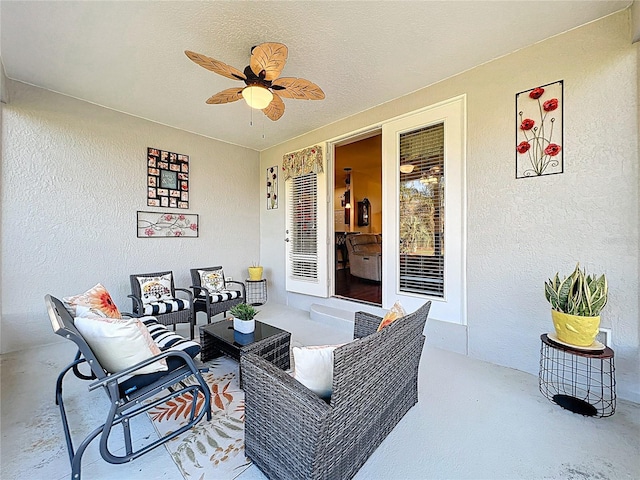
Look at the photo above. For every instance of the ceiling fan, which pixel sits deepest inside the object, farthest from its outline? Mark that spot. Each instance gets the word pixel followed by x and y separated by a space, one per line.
pixel 263 88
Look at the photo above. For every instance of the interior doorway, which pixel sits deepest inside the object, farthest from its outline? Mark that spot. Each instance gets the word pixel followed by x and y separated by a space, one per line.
pixel 357 200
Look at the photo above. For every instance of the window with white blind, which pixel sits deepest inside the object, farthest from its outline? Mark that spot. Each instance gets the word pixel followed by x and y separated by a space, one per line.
pixel 302 232
pixel 421 211
pixel 424 222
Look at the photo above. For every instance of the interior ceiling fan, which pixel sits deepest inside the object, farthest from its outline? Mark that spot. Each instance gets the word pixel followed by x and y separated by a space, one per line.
pixel 263 88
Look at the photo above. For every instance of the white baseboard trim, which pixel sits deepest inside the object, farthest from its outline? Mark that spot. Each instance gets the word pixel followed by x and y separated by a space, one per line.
pixel 447 336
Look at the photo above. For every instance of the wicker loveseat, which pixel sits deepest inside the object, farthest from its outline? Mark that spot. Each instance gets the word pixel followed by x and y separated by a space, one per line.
pixel 365 255
pixel 291 433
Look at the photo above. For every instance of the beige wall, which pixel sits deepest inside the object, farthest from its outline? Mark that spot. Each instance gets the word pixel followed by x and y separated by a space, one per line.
pixel 73 177
pixel 368 184
pixel 520 232
pixel 364 157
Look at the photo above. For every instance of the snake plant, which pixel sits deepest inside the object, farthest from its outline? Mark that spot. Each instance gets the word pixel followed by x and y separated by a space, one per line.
pixel 578 294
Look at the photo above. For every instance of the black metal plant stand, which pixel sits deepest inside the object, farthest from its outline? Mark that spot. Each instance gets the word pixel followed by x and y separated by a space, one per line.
pixel 578 380
pixel 256 291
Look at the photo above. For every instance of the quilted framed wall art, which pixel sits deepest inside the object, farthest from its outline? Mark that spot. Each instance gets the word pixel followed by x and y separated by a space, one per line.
pixel 167 179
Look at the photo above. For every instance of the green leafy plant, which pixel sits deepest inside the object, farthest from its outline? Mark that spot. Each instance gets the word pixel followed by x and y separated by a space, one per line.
pixel 243 311
pixel 417 225
pixel 578 294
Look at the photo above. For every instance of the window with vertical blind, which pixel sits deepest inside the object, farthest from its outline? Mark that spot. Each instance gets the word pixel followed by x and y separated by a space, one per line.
pixel 302 228
pixel 421 211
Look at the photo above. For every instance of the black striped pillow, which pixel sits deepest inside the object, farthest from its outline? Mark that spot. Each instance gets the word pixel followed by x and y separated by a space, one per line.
pixel 168 340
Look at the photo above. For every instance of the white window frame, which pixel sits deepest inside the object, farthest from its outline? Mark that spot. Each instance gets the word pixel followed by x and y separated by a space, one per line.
pixel 451 308
pixel 317 287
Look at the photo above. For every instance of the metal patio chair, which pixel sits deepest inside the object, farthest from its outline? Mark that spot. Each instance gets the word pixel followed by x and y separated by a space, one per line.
pixel 129 394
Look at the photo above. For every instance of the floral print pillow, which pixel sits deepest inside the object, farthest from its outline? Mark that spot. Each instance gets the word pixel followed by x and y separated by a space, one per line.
pixel 155 289
pixel 95 300
pixel 212 280
pixel 392 315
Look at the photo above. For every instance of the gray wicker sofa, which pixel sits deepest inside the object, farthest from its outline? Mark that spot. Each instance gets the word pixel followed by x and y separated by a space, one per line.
pixel 291 433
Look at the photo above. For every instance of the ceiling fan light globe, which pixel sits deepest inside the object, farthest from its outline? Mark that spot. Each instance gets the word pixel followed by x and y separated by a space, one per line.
pixel 257 97
pixel 407 168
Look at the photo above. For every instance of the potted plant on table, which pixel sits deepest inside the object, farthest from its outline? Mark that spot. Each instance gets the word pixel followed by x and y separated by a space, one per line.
pixel 576 302
pixel 243 314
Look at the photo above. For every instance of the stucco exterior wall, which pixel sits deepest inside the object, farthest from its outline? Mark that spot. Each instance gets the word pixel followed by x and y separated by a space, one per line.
pixel 73 177
pixel 520 232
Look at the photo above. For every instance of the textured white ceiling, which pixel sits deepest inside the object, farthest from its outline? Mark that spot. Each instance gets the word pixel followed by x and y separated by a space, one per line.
pixel 128 56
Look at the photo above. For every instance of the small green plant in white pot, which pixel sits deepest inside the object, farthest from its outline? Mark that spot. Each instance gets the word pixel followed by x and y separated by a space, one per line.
pixel 243 320
pixel 576 302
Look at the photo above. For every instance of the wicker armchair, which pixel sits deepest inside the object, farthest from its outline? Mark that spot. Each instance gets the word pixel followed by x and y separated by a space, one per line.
pixel 159 297
pixel 375 382
pixel 215 300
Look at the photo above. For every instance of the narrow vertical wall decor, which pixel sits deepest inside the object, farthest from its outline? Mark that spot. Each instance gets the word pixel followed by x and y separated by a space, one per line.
pixel 539 113
pixel 272 187
pixel 167 179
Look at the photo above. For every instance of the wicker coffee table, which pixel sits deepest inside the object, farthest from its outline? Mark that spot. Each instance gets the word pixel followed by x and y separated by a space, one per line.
pixel 268 342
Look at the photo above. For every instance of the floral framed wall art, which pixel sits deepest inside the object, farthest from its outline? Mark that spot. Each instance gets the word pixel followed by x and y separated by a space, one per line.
pixel 158 224
pixel 539 143
pixel 167 179
pixel 272 187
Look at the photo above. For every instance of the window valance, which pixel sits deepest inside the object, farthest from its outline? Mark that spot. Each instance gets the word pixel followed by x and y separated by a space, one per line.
pixel 307 160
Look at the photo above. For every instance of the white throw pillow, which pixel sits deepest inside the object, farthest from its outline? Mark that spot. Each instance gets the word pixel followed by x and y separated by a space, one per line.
pixel 120 343
pixel 212 280
pixel 155 289
pixel 313 367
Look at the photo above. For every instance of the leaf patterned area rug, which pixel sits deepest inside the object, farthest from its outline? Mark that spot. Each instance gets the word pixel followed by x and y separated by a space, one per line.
pixel 211 450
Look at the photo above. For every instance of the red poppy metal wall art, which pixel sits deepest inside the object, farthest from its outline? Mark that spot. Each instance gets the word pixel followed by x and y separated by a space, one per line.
pixel 539 131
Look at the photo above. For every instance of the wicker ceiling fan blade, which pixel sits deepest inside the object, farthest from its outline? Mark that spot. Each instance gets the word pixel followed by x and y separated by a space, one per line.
pixel 226 96
pixel 216 66
pixel 299 88
pixel 275 109
pixel 270 57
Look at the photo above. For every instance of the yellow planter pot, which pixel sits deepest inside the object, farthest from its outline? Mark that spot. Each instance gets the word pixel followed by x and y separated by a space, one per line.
pixel 255 273
pixel 575 330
